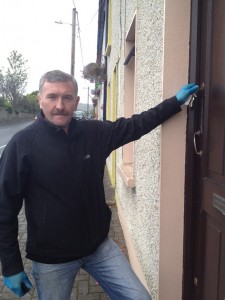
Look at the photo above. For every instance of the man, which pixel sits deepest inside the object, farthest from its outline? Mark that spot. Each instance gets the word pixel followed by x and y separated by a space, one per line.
pixel 57 165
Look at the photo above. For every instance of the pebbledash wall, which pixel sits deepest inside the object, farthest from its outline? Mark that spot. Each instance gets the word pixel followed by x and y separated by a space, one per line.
pixel 152 212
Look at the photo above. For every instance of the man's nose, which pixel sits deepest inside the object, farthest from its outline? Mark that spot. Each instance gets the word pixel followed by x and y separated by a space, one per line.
pixel 59 103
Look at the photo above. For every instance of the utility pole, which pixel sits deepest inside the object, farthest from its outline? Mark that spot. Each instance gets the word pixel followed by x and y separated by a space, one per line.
pixel 72 70
pixel 72 64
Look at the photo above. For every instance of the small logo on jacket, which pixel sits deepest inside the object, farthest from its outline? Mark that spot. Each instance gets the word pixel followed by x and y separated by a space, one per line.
pixel 86 156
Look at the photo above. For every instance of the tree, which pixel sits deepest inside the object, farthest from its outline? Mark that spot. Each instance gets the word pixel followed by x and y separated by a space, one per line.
pixel 6 105
pixel 31 104
pixel 14 80
pixel 2 101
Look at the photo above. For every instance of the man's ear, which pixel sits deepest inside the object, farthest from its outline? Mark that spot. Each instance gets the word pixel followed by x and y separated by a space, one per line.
pixel 77 101
pixel 39 100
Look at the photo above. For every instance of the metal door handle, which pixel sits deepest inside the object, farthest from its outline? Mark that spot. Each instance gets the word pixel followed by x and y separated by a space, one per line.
pixel 197 134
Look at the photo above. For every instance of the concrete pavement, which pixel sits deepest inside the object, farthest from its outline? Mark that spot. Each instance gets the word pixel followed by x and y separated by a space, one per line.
pixel 85 287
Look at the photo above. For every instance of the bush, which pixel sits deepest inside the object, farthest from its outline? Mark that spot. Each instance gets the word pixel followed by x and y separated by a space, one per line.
pixel 8 107
pixel 2 102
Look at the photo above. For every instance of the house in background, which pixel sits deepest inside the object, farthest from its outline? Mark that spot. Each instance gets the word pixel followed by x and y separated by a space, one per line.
pixel 170 184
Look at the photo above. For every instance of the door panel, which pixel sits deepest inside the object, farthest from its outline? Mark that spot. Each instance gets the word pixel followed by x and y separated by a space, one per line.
pixel 208 275
pixel 217 91
pixel 213 249
pixel 211 258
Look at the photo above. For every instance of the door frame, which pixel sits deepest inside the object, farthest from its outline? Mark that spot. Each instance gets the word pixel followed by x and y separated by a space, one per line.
pixel 192 178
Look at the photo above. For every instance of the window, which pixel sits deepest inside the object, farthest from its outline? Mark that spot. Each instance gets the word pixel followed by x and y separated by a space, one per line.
pixel 126 169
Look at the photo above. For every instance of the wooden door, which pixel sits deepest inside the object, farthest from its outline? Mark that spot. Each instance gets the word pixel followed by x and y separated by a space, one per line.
pixel 204 274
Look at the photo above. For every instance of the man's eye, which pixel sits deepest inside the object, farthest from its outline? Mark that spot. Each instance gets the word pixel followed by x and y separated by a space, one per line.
pixel 68 98
pixel 51 97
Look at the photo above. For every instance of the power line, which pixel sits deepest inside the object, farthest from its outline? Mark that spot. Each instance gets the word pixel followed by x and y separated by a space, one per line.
pixel 93 17
pixel 101 4
pixel 79 33
pixel 81 51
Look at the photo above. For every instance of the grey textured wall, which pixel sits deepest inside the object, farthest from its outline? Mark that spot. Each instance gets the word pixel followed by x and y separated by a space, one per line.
pixel 141 205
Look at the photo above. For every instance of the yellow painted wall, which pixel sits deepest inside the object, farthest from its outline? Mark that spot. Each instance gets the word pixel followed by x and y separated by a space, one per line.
pixel 111 116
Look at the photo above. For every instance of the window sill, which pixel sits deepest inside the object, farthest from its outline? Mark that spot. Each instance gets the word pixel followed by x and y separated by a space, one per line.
pixel 126 173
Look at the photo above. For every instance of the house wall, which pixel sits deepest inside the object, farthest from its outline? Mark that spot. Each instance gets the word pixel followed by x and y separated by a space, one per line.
pixel 173 141
pixel 151 213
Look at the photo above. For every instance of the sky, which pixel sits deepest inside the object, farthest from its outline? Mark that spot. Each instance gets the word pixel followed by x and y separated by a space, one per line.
pixel 29 27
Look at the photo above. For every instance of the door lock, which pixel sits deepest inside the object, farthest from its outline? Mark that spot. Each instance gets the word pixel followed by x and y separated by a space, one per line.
pixel 192 99
pixel 196 95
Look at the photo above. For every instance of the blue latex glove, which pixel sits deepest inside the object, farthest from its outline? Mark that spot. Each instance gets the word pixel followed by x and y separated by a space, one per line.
pixel 186 91
pixel 19 283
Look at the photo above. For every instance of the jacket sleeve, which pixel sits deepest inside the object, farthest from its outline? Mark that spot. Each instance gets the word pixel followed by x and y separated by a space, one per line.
pixel 125 130
pixel 13 177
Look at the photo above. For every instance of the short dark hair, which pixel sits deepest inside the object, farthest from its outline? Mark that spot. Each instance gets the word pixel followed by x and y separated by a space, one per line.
pixel 57 76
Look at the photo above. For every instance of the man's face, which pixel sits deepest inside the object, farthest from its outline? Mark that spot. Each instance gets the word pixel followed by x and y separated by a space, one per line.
pixel 58 101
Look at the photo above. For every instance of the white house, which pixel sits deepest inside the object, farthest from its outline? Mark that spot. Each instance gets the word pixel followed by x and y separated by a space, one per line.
pixel 151 48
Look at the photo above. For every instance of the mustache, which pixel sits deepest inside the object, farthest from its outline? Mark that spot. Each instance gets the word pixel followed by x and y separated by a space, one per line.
pixel 60 113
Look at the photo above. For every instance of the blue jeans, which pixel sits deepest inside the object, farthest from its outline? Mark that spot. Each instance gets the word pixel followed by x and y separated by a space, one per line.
pixel 108 265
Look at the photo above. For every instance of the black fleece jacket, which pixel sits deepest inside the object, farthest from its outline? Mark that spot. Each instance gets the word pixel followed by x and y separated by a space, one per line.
pixel 60 177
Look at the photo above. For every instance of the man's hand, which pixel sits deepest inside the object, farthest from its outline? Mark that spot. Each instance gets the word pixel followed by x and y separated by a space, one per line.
pixel 19 283
pixel 186 91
